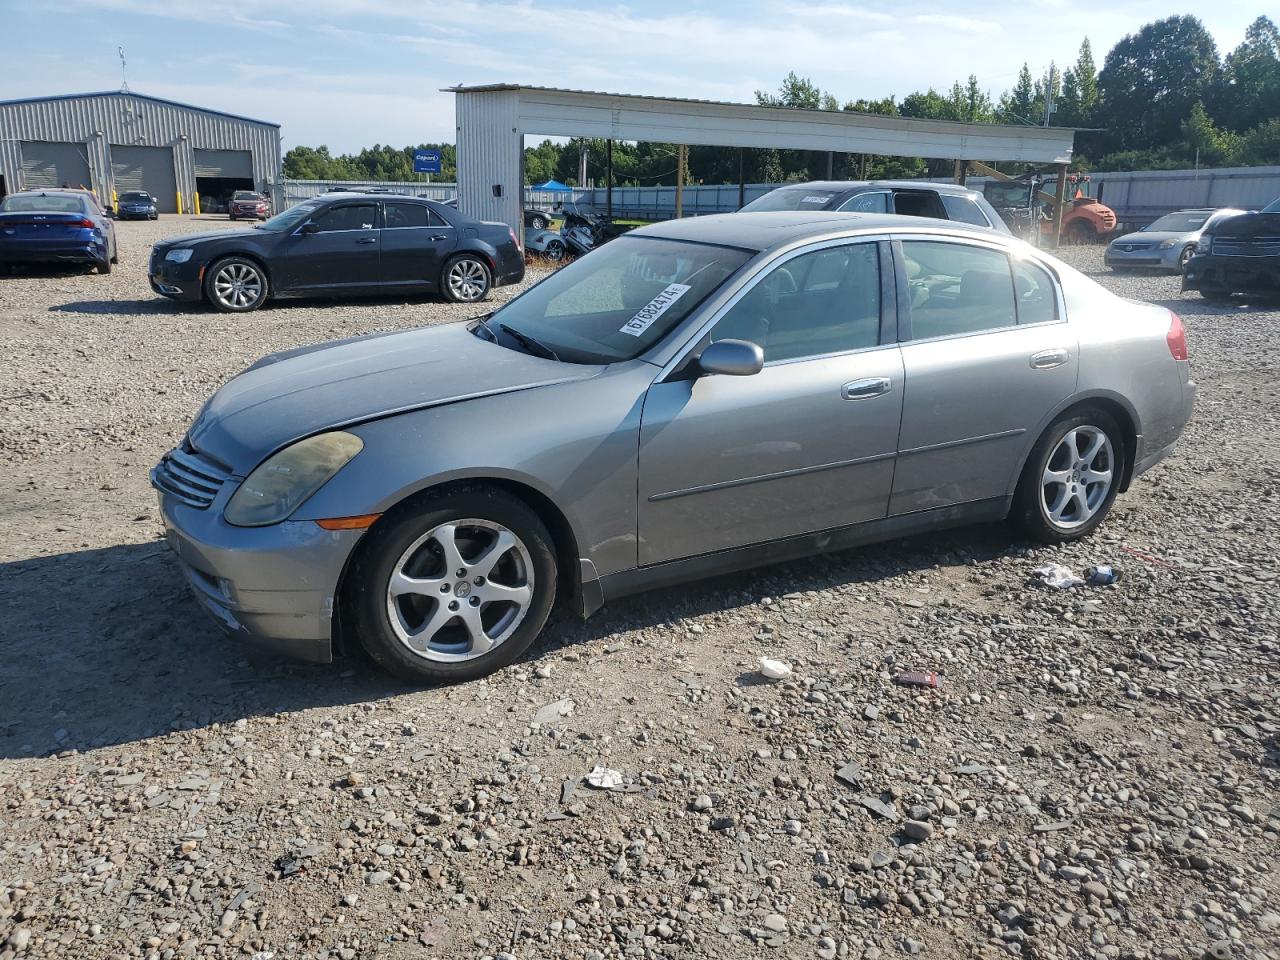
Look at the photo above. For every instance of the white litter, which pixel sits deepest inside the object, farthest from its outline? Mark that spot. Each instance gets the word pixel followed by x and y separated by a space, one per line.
pixel 554 711
pixel 774 669
pixel 603 778
pixel 1056 576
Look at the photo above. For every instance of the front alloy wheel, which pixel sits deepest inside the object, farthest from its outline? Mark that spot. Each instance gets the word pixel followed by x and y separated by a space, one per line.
pixel 236 285
pixel 466 279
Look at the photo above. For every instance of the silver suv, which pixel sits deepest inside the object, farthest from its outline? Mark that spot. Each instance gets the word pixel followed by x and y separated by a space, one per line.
pixel 907 198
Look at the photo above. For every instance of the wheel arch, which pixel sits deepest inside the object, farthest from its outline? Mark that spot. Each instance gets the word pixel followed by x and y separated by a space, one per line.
pixel 257 259
pixel 1115 406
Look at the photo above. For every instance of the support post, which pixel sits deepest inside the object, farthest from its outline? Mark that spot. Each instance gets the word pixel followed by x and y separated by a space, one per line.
pixel 962 171
pixel 742 182
pixel 831 157
pixel 608 180
pixel 681 154
pixel 1058 203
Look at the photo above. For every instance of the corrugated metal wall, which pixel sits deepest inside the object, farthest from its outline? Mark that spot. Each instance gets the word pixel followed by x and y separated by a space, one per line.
pixel 490 154
pixel 96 121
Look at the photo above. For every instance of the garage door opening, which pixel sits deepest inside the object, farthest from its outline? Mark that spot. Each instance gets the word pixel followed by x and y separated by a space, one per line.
pixel 3 190
pixel 146 169
pixel 216 191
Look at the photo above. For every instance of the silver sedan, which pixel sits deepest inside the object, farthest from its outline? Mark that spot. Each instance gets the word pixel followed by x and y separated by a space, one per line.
pixel 696 397
pixel 1166 244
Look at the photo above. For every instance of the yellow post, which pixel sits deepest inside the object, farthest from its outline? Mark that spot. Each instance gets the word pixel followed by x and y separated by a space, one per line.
pixel 115 201
pixel 179 202
pixel 195 202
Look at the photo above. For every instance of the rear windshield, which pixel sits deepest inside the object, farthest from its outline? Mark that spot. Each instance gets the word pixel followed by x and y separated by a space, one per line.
pixel 134 197
pixel 792 198
pixel 41 203
pixel 620 299
pixel 1179 222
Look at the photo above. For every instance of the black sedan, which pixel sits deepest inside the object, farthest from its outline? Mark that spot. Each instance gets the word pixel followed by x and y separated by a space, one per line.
pixel 339 245
pixel 137 205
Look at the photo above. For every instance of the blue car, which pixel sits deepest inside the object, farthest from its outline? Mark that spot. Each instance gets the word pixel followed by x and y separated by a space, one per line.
pixel 137 205
pixel 56 226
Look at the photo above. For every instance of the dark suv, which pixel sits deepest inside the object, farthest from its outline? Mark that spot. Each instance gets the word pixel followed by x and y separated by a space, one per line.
pixel 1239 254
pixel 912 198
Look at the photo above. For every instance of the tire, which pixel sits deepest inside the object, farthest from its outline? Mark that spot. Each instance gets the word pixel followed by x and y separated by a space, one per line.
pixel 466 279
pixel 1081 505
pixel 104 266
pixel 231 216
pixel 539 222
pixel 409 540
pixel 555 250
pixel 1187 253
pixel 236 285
pixel 1080 232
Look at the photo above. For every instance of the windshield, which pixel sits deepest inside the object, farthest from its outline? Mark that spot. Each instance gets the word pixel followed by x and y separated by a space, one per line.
pixel 1178 223
pixel 244 195
pixel 55 203
pixel 620 299
pixel 135 197
pixel 792 198
pixel 1272 207
pixel 284 222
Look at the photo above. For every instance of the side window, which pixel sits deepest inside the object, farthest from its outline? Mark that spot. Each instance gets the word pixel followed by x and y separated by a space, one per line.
pixel 957 289
pixel 875 202
pixel 353 217
pixel 1037 301
pixel 436 220
pixel 827 301
pixel 964 209
pixel 918 203
pixel 406 215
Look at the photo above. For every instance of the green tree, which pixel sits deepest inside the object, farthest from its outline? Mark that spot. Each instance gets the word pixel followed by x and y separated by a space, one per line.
pixel 798 92
pixel 1261 145
pixel 1250 92
pixel 1079 90
pixel 1206 145
pixel 1151 78
pixel 1018 105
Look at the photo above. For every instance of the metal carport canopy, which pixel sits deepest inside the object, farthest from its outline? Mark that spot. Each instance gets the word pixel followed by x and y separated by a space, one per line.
pixel 493 119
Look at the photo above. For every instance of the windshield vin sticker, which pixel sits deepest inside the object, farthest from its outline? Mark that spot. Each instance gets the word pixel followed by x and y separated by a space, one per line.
pixel 655 308
pixel 816 199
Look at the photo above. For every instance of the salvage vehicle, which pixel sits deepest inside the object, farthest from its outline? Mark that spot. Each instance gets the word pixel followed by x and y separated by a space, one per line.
pixel 1025 204
pixel 546 243
pixel 56 226
pixel 911 198
pixel 1239 254
pixel 340 245
pixel 137 205
pixel 247 205
pixel 1166 243
pixel 695 397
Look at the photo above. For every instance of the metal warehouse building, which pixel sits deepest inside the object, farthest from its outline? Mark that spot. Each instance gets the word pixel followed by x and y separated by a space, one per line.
pixel 112 142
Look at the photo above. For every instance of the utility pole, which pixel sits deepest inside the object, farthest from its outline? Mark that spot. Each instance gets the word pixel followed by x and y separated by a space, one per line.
pixel 1050 107
pixel 682 155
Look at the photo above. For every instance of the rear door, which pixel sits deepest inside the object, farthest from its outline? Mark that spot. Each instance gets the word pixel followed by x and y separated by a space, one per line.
pixel 415 243
pixel 987 356
pixel 918 203
pixel 342 253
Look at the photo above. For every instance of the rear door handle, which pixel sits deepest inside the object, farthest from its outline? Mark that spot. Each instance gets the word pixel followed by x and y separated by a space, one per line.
pixel 367 240
pixel 864 389
pixel 1048 359
pixel 439 236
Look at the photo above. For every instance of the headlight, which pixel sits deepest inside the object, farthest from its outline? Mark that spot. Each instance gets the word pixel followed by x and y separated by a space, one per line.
pixel 1166 244
pixel 178 256
pixel 281 483
pixel 1203 244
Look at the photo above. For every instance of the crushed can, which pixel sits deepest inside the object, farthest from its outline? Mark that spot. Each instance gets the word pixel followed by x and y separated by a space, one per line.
pixel 1101 576
pixel 919 678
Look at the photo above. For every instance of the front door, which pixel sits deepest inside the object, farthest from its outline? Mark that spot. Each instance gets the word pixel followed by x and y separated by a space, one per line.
pixel 415 244
pixel 806 444
pixel 342 252
pixel 987 357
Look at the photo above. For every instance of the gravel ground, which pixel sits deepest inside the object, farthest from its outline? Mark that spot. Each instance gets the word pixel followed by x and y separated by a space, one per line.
pixel 1096 777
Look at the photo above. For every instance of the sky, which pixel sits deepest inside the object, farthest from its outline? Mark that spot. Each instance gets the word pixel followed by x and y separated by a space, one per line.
pixel 352 73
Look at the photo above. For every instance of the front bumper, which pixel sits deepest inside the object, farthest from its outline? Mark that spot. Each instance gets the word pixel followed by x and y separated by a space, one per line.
pixel 1148 258
pixel 1218 274
pixel 136 214
pixel 177 281
pixel 275 586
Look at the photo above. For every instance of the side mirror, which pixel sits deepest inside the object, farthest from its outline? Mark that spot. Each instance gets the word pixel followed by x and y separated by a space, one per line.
pixel 732 358
pixel 309 228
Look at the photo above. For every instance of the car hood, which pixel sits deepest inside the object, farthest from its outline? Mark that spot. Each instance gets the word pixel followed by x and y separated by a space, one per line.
pixel 1248 225
pixel 192 239
pixel 287 396
pixel 1149 236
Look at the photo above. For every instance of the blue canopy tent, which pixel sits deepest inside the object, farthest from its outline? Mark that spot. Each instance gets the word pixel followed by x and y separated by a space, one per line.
pixel 552 186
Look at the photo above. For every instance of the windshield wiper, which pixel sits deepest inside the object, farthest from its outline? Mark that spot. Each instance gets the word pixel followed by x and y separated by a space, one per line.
pixel 530 344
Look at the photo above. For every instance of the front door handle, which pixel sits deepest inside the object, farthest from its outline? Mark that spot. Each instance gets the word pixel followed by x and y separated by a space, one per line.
pixel 439 236
pixel 1048 359
pixel 367 240
pixel 864 389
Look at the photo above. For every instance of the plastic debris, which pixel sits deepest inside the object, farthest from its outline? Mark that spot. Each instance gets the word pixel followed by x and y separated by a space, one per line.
pixel 1057 576
pixel 851 773
pixel 919 678
pixel 1101 576
pixel 603 778
pixel 554 711
pixel 774 669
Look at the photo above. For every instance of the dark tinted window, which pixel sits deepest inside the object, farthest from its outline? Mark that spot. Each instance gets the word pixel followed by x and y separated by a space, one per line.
pixel 873 202
pixel 957 289
pixel 823 302
pixel 406 215
pixel 1037 301
pixel 964 209
pixel 918 203
pixel 354 217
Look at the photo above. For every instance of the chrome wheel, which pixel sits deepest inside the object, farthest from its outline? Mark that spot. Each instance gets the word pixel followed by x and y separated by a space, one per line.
pixel 238 286
pixel 555 250
pixel 468 280
pixel 1077 478
pixel 1187 254
pixel 460 590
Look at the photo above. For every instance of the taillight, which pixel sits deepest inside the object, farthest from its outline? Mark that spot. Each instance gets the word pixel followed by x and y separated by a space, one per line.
pixel 1177 338
pixel 86 224
pixel 512 234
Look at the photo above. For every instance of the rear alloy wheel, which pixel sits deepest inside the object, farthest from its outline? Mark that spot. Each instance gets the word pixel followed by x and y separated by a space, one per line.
pixel 539 223
pixel 1071 478
pixel 236 285
pixel 453 587
pixel 466 279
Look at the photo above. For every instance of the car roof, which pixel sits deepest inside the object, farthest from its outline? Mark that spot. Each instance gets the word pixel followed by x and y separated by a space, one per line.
pixel 774 228
pixel 55 191
pixel 845 185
